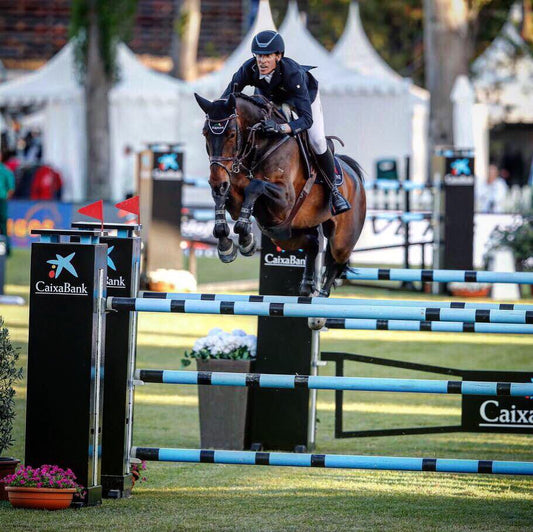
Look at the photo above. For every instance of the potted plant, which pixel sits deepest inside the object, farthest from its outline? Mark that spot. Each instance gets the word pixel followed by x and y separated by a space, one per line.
pixel 137 469
pixel 9 374
pixel 47 487
pixel 223 409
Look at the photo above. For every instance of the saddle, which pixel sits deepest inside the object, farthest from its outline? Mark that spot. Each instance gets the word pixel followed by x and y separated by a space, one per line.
pixel 308 155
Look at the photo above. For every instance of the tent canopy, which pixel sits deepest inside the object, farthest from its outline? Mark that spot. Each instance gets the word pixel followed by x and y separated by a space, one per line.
pixel 56 80
pixel 355 51
pixel 332 75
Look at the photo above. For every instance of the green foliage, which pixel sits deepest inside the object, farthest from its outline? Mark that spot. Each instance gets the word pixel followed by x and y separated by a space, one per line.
pixel 519 238
pixel 9 374
pixel 115 22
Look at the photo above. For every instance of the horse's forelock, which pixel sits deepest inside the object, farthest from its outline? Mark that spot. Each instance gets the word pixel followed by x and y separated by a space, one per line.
pixel 220 109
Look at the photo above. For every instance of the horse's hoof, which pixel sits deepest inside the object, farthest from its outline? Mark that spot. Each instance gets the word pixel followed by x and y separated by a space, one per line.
pixel 227 255
pixel 307 288
pixel 242 227
pixel 323 293
pixel 316 324
pixel 247 250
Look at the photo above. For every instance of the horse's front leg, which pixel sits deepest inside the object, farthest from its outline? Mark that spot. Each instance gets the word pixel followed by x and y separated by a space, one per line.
pixel 243 226
pixel 227 252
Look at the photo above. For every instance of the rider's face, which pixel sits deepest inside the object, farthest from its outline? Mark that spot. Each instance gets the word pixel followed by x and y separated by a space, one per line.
pixel 267 62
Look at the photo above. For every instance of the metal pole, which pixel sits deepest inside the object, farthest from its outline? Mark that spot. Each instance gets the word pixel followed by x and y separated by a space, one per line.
pixel 315 348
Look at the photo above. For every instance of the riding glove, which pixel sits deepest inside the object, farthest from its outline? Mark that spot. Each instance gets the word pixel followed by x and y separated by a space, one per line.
pixel 271 127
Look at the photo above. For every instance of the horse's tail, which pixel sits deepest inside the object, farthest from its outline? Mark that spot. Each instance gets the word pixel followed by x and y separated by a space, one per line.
pixel 354 165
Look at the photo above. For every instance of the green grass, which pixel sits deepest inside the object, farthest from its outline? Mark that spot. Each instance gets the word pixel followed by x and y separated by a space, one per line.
pixel 219 497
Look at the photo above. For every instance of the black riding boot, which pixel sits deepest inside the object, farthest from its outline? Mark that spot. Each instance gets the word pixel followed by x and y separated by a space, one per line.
pixel 327 165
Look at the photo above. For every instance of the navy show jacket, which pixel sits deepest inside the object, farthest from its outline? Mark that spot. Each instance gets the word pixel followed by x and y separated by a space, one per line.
pixel 291 83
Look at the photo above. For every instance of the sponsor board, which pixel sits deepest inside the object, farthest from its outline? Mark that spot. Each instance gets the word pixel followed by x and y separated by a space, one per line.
pixel 23 216
pixel 167 165
pixel 497 414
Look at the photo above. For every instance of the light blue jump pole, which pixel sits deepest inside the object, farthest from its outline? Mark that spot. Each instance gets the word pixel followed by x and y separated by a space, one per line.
pixel 428 326
pixel 333 301
pixel 364 384
pixel 300 310
pixel 441 276
pixel 391 463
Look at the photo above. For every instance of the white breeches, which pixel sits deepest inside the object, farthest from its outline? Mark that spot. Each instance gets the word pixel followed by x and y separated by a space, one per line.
pixel 317 136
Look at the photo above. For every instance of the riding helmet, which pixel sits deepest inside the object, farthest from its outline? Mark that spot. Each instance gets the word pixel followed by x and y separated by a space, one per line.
pixel 268 42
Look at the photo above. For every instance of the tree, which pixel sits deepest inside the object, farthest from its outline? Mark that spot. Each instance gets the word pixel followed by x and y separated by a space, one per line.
pixel 185 35
pixel 97 27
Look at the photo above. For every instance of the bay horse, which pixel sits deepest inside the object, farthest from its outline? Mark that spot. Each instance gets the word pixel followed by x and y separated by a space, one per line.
pixel 251 172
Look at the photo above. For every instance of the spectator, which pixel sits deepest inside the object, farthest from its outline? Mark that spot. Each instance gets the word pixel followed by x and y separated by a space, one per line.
pixel 12 161
pixel 492 196
pixel 46 184
pixel 7 187
pixel 512 166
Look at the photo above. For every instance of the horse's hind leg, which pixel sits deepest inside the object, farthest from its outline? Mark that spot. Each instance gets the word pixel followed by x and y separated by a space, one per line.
pixel 332 271
pixel 226 248
pixel 307 284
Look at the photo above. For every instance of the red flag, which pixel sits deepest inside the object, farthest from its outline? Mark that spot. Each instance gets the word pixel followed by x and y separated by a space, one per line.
pixel 94 210
pixel 130 205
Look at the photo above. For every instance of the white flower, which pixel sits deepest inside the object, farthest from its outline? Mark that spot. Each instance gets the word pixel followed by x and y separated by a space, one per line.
pixel 219 342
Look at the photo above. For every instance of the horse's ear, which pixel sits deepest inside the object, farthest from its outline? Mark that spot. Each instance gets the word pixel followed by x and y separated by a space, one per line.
pixel 231 101
pixel 204 103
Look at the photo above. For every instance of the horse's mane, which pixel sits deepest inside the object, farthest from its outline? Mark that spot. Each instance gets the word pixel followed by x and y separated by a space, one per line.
pixel 257 99
pixel 267 108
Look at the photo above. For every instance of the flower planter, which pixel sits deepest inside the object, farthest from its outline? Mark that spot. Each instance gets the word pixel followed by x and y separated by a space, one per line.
pixel 224 409
pixel 40 498
pixel 7 467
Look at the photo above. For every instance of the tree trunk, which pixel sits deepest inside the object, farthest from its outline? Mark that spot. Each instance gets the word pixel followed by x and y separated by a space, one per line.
pixel 97 87
pixel 184 47
pixel 448 49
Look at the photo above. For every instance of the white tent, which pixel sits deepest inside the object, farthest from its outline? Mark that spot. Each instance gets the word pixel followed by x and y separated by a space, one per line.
pixel 503 74
pixel 355 52
pixel 143 108
pixel 371 113
pixel 333 76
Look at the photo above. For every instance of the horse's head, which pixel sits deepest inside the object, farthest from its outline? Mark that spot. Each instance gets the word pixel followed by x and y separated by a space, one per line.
pixel 222 136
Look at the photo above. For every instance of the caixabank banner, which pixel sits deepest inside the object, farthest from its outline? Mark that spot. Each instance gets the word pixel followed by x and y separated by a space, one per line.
pixel 281 270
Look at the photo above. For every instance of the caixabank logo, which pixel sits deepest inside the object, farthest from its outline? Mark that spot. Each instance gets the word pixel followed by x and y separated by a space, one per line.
pixel 283 258
pixel 459 172
pixel 167 166
pixel 114 279
pixel 62 277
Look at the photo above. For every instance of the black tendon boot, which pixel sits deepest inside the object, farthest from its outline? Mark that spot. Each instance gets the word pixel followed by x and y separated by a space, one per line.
pixel 327 166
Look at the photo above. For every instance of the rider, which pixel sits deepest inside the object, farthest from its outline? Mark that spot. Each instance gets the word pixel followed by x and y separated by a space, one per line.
pixel 283 80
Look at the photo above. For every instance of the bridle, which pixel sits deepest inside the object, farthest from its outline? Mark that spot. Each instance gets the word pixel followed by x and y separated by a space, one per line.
pixel 242 150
